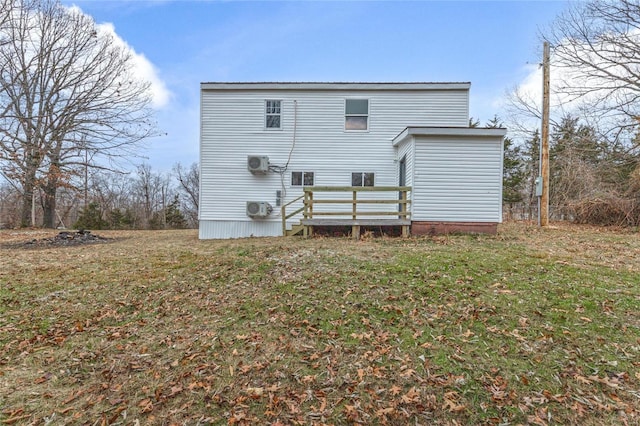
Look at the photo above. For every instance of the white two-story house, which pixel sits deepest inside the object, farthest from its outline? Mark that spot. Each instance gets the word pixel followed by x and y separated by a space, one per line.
pixel 261 144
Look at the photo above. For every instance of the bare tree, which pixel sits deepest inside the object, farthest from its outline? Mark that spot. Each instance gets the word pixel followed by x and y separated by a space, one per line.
pixel 152 191
pixel 189 189
pixel 6 8
pixel 9 200
pixel 597 49
pixel 67 88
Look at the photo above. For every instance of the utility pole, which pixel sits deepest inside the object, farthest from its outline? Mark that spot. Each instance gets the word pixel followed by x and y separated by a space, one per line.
pixel 544 150
pixel 86 174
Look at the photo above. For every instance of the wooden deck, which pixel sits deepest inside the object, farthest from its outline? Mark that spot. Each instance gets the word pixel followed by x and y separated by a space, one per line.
pixel 390 210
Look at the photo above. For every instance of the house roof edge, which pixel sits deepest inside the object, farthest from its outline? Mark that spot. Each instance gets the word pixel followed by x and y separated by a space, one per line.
pixel 335 85
pixel 449 131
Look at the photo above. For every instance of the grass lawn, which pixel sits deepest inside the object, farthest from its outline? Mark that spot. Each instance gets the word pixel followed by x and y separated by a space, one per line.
pixel 527 327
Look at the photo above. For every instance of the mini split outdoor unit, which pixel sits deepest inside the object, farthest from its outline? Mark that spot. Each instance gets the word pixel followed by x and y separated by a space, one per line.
pixel 258 164
pixel 258 209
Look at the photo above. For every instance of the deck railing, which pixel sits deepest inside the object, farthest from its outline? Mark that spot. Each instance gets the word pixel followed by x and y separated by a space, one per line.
pixel 285 216
pixel 365 207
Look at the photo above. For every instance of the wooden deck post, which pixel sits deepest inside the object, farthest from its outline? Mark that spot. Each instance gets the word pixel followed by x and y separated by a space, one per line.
pixel 354 208
pixel 355 229
pixel 310 231
pixel 355 232
pixel 403 213
pixel 305 213
pixel 283 215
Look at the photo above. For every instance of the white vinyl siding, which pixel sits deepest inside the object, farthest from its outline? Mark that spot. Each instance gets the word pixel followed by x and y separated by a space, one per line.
pixel 233 127
pixel 238 229
pixel 464 187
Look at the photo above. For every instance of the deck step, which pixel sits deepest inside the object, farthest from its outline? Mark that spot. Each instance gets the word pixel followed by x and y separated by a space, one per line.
pixel 295 230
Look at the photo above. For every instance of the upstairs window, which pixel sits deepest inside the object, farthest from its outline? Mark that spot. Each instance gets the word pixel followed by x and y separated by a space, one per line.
pixel 362 179
pixel 356 114
pixel 302 178
pixel 272 114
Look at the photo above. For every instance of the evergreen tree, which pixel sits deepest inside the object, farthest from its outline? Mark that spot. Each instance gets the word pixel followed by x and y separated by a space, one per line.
pixel 91 218
pixel 173 216
pixel 121 219
pixel 513 173
pixel 531 157
pixel 513 167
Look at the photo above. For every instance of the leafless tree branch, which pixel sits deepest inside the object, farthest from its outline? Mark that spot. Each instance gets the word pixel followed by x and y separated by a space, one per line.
pixel 66 88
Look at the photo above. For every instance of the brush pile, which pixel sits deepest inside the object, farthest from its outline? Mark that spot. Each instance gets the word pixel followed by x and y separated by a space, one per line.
pixel 67 238
pixel 607 211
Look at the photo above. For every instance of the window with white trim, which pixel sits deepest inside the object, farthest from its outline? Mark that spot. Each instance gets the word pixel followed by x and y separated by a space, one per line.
pixel 362 179
pixel 302 178
pixel 272 114
pixel 356 114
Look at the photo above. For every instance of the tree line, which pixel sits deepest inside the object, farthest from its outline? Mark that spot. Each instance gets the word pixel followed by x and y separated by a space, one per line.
pixel 593 179
pixel 594 139
pixel 73 113
pixel 144 199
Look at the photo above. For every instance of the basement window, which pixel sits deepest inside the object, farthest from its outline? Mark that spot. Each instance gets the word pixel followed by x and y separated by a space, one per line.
pixel 362 179
pixel 272 112
pixel 302 178
pixel 356 114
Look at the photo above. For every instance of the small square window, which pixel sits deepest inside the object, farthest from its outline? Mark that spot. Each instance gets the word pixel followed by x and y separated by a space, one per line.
pixel 308 179
pixel 356 114
pixel 272 114
pixel 302 178
pixel 362 179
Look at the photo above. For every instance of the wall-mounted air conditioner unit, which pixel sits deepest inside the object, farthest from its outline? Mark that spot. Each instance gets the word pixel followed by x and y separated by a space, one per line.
pixel 258 209
pixel 258 164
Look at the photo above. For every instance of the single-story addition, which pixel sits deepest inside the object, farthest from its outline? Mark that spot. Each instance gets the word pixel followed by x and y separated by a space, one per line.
pixel 277 158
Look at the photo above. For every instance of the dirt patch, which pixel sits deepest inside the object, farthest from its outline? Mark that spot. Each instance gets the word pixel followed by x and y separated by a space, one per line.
pixel 62 239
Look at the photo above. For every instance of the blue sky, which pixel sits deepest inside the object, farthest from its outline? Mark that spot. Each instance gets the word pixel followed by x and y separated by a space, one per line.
pixel 492 44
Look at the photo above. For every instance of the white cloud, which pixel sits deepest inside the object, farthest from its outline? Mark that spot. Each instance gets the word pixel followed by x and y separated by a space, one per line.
pixel 523 103
pixel 143 68
pixel 531 87
pixel 597 97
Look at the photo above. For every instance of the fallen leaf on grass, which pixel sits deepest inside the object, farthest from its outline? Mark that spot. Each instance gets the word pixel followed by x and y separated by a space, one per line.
pixel 383 412
pixel 411 396
pixel 557 398
pixel 12 420
pixel 612 383
pixel 254 392
pixel 310 379
pixel 582 379
pixel 175 390
pixel 73 396
pixel 146 405
pixel 451 402
pixel 13 413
